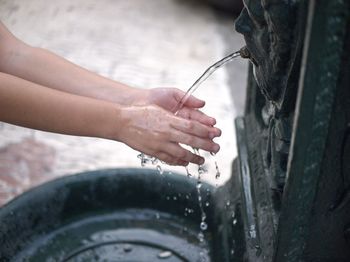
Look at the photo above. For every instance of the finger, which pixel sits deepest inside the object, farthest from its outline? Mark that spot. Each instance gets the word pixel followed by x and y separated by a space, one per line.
pixel 191 101
pixel 193 141
pixel 182 154
pixel 171 159
pixel 196 115
pixel 195 128
pixel 215 133
pixel 167 158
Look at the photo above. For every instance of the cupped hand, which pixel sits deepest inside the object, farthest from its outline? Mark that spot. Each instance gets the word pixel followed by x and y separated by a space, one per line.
pixel 168 99
pixel 159 133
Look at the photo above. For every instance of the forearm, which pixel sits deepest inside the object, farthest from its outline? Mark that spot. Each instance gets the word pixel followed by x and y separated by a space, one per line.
pixel 45 68
pixel 27 104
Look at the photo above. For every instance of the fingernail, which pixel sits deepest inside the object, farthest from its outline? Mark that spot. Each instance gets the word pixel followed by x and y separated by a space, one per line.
pixel 219 132
pixel 201 161
pixel 216 148
pixel 215 134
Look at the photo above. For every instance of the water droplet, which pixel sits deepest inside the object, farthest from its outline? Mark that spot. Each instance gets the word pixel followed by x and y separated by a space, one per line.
pixel 217 174
pixel 160 170
pixel 165 255
pixel 188 172
pixel 142 158
pixel 203 257
pixel 127 248
pixel 154 160
pixel 199 185
pixel 201 170
pixel 207 204
pixel 203 225
pixel 200 237
pixel 175 198
pixel 234 221
pixel 252 231
pixel 157 216
pixel 228 203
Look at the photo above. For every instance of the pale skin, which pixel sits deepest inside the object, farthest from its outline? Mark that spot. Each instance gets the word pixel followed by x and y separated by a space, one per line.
pixel 41 90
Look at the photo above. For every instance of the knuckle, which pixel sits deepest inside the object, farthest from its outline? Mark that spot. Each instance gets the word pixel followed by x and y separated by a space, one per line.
pixel 190 126
pixel 182 154
pixel 210 146
pixel 164 157
pixel 189 140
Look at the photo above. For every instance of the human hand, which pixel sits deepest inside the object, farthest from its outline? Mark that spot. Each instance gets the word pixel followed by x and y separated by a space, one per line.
pixel 168 99
pixel 157 132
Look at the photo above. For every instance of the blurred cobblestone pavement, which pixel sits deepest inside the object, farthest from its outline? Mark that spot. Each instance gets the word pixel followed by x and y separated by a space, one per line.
pixel 144 43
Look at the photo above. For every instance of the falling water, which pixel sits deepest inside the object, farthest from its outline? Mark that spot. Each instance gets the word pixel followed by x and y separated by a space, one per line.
pixel 207 73
pixel 210 70
pixel 243 52
pixel 188 172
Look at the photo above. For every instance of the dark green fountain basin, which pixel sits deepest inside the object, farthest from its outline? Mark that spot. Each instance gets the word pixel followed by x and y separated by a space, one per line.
pixel 108 215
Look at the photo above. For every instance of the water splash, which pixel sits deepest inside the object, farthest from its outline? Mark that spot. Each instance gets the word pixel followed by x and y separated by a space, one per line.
pixel 150 160
pixel 188 172
pixel 203 225
pixel 160 170
pixel 201 170
pixel 217 170
pixel 243 52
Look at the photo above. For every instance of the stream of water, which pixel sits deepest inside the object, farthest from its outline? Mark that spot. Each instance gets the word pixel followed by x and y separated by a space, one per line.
pixel 208 72
pixel 201 170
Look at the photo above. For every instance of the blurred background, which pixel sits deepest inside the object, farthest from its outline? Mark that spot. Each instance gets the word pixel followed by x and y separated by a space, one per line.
pixel 143 43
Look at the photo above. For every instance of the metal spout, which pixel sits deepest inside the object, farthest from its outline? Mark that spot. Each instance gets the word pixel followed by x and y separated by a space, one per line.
pixel 244 52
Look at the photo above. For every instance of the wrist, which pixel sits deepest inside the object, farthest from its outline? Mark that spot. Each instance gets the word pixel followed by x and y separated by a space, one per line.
pixel 110 127
pixel 121 94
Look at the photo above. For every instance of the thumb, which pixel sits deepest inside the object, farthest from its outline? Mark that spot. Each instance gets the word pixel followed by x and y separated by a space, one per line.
pixel 192 102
